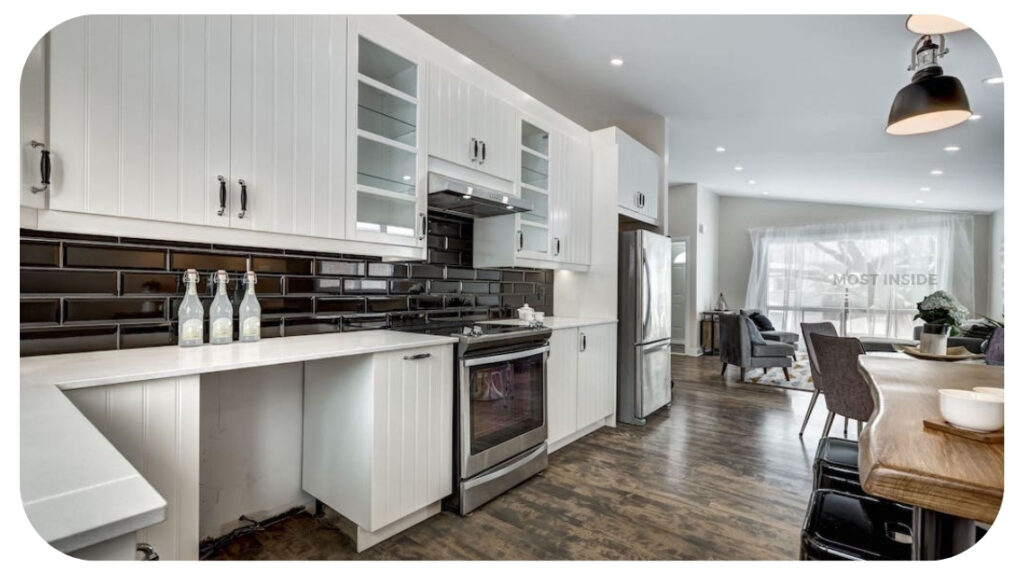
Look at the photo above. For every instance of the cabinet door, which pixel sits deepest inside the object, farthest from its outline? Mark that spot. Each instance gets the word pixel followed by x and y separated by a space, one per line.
pixel 33 125
pixel 452 107
pixel 155 426
pixel 412 432
pixel 629 172
pixel 495 122
pixel 536 149
pixel 387 167
pixel 562 376
pixel 648 182
pixel 596 398
pixel 139 116
pixel 288 121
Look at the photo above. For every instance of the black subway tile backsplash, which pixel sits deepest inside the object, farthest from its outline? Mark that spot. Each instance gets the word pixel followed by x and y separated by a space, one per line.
pixel 208 262
pixel 40 311
pixel 88 293
pixel 68 282
pixel 44 254
pixel 88 256
pixel 114 310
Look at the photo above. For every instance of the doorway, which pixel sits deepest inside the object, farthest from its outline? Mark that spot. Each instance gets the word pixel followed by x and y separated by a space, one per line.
pixel 680 294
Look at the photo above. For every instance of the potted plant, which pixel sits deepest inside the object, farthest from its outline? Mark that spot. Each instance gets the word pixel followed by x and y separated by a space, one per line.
pixel 943 316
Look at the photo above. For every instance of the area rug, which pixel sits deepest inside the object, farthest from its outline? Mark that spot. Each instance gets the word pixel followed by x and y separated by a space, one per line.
pixel 800 375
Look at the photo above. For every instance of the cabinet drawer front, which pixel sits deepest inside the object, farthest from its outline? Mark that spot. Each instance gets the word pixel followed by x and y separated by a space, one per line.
pixel 412 431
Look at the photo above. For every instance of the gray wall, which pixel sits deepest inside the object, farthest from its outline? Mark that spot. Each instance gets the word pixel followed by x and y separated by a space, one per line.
pixel 995 297
pixel 693 213
pixel 737 215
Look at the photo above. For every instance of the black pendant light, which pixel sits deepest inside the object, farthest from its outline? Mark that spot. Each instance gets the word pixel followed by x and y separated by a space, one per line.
pixel 932 101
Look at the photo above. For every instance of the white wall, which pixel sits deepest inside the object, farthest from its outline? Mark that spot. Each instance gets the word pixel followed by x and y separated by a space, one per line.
pixel 996 245
pixel 738 215
pixel 693 213
pixel 250 426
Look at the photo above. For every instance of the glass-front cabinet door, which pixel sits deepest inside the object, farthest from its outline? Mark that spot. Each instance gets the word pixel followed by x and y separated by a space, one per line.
pixel 389 203
pixel 534 167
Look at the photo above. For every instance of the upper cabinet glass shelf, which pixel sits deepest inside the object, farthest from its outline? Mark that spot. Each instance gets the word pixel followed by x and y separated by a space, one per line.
pixel 535 139
pixel 387 115
pixel 386 67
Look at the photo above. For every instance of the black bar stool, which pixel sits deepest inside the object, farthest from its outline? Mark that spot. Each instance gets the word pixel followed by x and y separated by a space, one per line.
pixel 844 526
pixel 836 466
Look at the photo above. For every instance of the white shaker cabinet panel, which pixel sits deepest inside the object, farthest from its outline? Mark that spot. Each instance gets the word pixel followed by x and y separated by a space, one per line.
pixel 638 178
pixel 155 425
pixel 377 439
pixel 562 377
pixel 33 126
pixel 470 127
pixel 139 116
pixel 596 392
pixel 288 140
pixel 577 247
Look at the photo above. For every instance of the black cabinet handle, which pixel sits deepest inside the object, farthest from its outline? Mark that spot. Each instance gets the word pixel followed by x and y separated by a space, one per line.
pixel 558 242
pixel 519 240
pixel 416 356
pixel 423 225
pixel 476 150
pixel 147 551
pixel 483 152
pixel 44 168
pixel 223 195
pixel 245 198
pixel 583 341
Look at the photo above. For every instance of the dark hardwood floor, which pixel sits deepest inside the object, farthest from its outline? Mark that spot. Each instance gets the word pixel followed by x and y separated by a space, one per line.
pixel 721 474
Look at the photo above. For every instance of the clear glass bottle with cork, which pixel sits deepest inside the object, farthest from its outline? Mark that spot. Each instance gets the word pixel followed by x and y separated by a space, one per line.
pixel 249 311
pixel 190 313
pixel 222 313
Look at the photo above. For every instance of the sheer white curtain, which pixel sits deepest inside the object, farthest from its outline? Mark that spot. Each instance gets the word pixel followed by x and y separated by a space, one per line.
pixel 866 277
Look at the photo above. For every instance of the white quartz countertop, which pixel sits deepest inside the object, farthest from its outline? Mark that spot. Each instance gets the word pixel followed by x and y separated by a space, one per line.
pixel 559 322
pixel 77 489
pixel 75 370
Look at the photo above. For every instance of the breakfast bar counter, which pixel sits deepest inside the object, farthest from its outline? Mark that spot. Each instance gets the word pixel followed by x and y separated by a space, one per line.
pixel 931 470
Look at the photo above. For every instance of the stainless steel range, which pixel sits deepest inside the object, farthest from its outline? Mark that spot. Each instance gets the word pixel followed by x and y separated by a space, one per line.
pixel 501 410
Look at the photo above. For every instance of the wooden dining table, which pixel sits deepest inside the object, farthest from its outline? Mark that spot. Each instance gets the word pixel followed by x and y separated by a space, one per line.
pixel 952 482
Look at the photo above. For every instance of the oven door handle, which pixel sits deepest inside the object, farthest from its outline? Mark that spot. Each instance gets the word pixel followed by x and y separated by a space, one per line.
pixel 506 357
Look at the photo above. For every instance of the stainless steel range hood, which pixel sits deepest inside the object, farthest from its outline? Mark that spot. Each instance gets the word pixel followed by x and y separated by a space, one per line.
pixel 462 198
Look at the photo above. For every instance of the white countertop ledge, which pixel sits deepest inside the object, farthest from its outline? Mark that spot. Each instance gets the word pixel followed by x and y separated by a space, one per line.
pixel 88 369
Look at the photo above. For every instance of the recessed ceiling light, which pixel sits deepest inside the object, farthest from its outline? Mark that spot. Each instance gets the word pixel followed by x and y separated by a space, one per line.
pixel 952 148
pixel 738 168
pixel 994 80
pixel 936 172
pixel 975 117
pixel 751 182
pixel 616 62
pixel 926 189
pixel 407 178
pixel 918 201
pixel 719 149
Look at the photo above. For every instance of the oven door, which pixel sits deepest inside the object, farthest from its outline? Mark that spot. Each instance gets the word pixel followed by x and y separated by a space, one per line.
pixel 502 411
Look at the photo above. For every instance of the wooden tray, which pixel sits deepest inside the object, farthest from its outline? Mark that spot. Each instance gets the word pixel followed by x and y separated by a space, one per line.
pixel 982 436
pixel 958 353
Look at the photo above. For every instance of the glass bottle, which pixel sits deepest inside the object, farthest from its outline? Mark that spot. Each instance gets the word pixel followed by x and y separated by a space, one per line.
pixel 190 313
pixel 221 312
pixel 249 311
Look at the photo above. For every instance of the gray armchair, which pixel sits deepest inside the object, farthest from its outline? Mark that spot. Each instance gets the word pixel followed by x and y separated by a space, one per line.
pixel 742 345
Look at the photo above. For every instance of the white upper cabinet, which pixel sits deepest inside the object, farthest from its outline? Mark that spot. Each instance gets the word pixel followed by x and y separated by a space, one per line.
pixel 639 173
pixel 140 116
pixel 388 175
pixel 571 201
pixel 535 148
pixel 469 126
pixel 288 139
pixel 32 140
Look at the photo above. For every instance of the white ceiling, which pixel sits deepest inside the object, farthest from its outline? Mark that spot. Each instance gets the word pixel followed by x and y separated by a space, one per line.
pixel 800 102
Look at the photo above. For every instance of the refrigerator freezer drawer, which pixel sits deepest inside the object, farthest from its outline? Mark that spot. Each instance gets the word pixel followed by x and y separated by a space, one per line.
pixel 654 377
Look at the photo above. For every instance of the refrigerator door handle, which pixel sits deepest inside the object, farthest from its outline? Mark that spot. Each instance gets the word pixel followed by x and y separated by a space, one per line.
pixel 646 297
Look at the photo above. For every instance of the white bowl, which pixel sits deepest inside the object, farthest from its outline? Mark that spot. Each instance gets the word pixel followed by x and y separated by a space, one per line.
pixel 971 410
pixel 996 391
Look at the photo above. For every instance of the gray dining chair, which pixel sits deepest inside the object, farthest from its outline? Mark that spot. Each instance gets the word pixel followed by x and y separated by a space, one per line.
pixel 846 391
pixel 826 328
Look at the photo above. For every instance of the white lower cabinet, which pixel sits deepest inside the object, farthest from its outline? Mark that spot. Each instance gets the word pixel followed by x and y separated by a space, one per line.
pixel 155 426
pixel 377 438
pixel 581 381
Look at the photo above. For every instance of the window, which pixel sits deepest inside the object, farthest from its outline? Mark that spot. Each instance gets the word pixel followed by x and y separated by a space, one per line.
pixel 865 277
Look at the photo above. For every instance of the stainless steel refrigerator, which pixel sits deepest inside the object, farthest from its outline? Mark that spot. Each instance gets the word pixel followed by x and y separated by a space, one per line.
pixel 645 325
